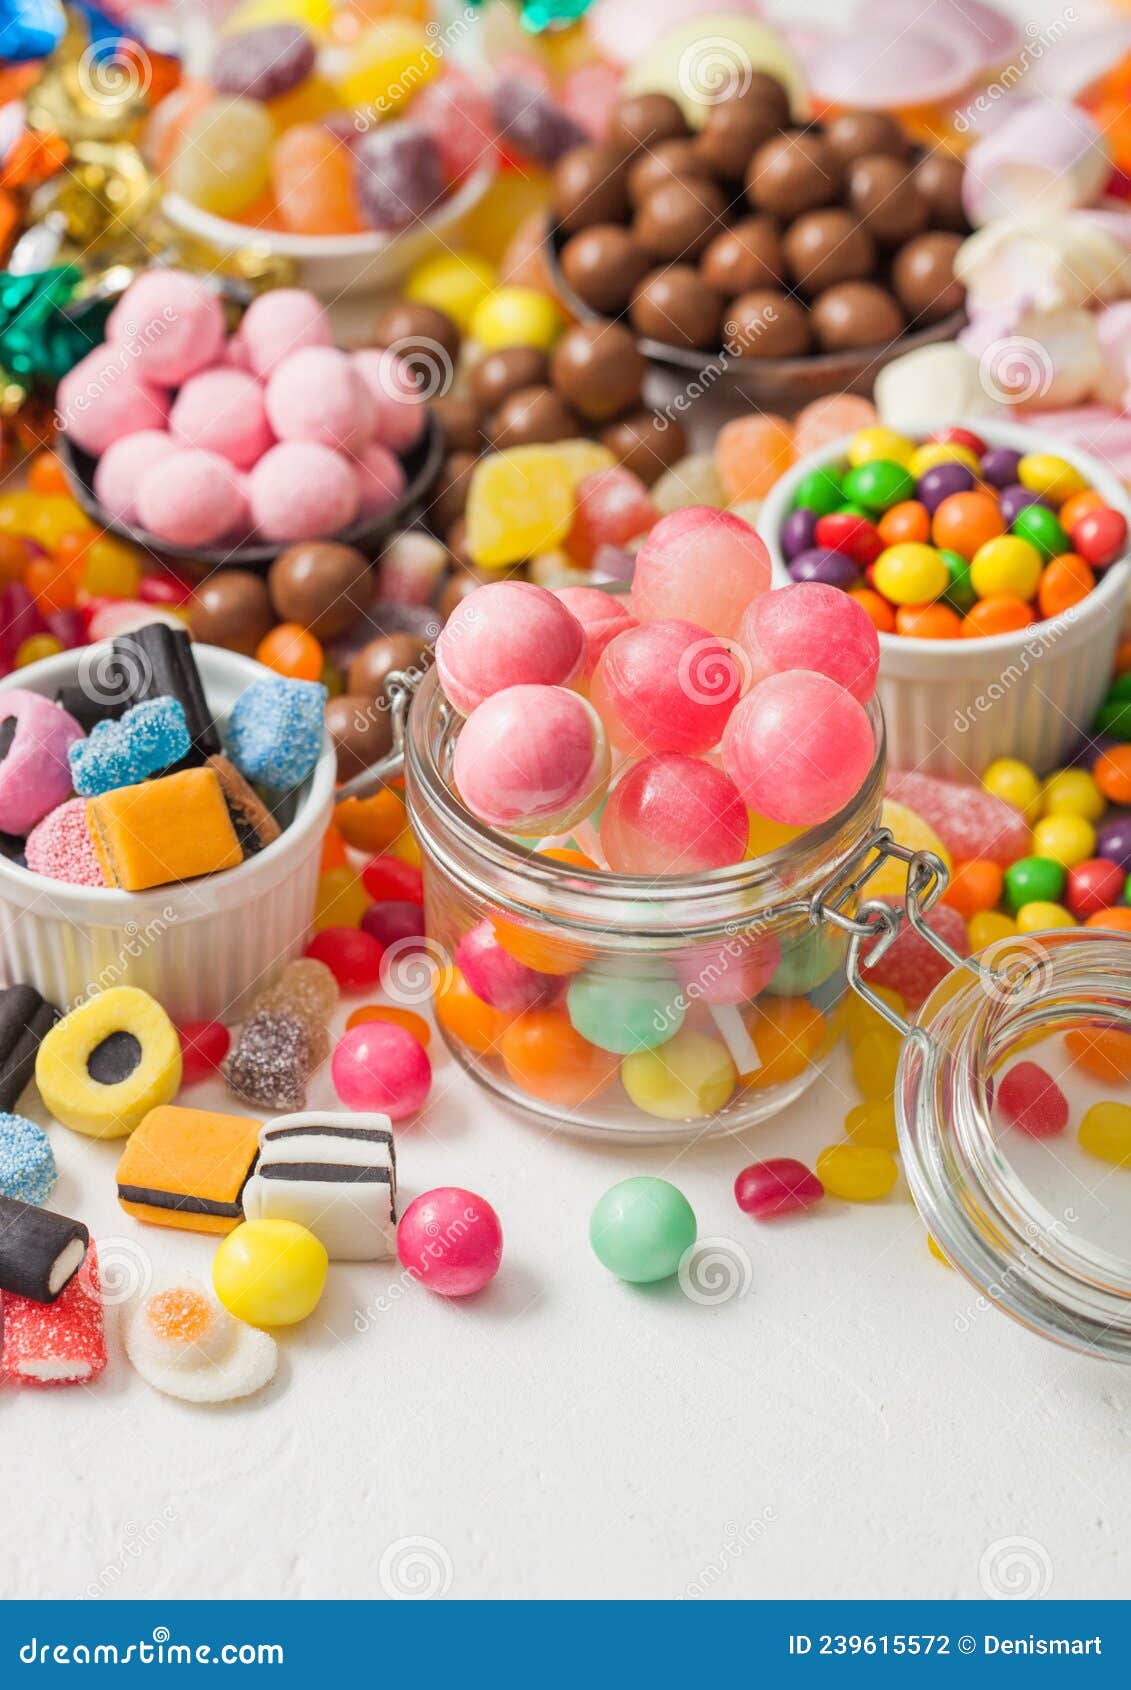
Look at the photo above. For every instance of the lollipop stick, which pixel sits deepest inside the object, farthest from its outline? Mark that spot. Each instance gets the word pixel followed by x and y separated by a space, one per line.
pixel 732 1031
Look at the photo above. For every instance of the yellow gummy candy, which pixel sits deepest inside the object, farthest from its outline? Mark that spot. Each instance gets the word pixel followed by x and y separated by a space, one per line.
pixel 519 502
pixel 875 1060
pixel 390 64
pixel 1105 1132
pixel 861 1018
pixel 856 1173
pixel 314 15
pixel 872 1124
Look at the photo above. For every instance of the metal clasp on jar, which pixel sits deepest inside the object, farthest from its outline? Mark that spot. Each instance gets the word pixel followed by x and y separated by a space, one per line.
pixel 400 686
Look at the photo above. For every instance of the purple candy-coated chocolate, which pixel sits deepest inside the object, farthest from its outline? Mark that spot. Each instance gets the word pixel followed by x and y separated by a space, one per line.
pixel 798 532
pixel 393 922
pixel 1016 499
pixel 999 466
pixel 613 563
pixel 1089 751
pixel 937 484
pixel 832 569
pixel 1113 840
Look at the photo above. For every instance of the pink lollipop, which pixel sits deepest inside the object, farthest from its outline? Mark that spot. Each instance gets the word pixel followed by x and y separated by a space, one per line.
pixel 532 759
pixel 602 616
pixel 673 815
pixel 798 747
pixel 700 565
pixel 507 634
pixel 499 978
pixel 729 971
pixel 666 686
pixel 812 626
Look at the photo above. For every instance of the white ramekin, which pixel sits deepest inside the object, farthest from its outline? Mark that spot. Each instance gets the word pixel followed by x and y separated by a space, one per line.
pixel 953 706
pixel 202 948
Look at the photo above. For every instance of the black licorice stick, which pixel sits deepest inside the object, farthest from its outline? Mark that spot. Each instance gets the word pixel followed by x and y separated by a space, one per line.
pixel 160 663
pixel 25 1019
pixel 40 1252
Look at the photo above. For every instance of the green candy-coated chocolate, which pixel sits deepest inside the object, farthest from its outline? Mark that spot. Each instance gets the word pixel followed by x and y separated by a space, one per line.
pixel 641 1228
pixel 960 595
pixel 878 484
pixel 1034 880
pixel 1114 720
pixel 1039 525
pixel 819 491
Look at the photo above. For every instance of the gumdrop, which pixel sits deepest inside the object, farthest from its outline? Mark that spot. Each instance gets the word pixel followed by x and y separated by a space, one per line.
pixel 399 175
pixel 970 821
pixel 613 507
pixel 825 420
pixel 752 453
pixel 911 966
pixel 457 114
pixel 1031 1101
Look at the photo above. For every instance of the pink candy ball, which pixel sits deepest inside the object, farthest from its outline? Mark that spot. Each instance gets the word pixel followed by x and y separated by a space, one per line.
pixel 380 1066
pixel 673 814
pixel 121 467
pixel 731 970
pixel 222 411
pixel 105 398
pixel 499 978
pixel 602 616
pixel 397 395
pixel 170 324
pixel 700 565
pixel 278 323
pixel 798 747
pixel 666 686
pixel 314 394
pixel 190 498
pixel 380 479
pixel 450 1240
pixel 302 491
pixel 507 634
pixel 532 759
pixel 813 626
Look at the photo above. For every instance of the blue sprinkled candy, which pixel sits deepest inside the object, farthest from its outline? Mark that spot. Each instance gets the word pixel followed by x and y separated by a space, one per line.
pixel 27 1163
pixel 275 732
pixel 147 739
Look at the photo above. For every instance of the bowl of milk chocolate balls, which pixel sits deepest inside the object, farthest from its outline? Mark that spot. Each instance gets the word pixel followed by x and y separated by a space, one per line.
pixel 793 260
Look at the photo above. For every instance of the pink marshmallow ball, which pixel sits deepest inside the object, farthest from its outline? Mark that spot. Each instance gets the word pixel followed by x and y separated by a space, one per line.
pixel 532 759
pixel 700 565
pixel 222 411
pixel 278 323
pixel 302 491
pixel 798 747
pixel 380 1066
pixel 121 467
pixel 666 686
pixel 602 616
pixel 104 398
pixel 499 978
pixel 451 1241
pixel 314 394
pixel 812 626
pixel 190 498
pixel 380 479
pixel 398 399
pixel 673 815
pixel 170 323
pixel 507 634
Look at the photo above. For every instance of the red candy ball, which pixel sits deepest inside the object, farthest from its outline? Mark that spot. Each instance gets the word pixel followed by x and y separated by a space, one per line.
pixel 451 1241
pixel 956 436
pixel 1100 536
pixel 855 536
pixel 1094 885
pixel 776 1187
pixel 353 957
pixel 204 1045
pixel 387 879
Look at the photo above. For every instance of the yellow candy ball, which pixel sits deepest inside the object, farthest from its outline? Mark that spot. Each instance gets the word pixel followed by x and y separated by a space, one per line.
pixel 987 927
pixel 1038 917
pixel 452 282
pixel 764 836
pixel 1066 839
pixel 942 452
pixel 1006 564
pixel 1016 783
pixel 1105 1132
pixel 869 444
pixel 35 647
pixel 872 1124
pixel 340 899
pixel 512 316
pixel 910 573
pixel 875 1061
pixel 1073 792
pixel 686 1079
pixel 111 569
pixel 857 1172
pixel 1053 478
pixel 270 1273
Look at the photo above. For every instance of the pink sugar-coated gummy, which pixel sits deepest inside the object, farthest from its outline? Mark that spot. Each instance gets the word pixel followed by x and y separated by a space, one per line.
pixel 380 1066
pixel 778 1186
pixel 457 113
pixel 104 398
pixel 451 1241
pixel 315 394
pixel 826 420
pixel 222 411
pixel 507 634
pixel 380 479
pixel 34 773
pixel 190 498
pixel 396 395
pixel 612 507
pixel 700 565
pixel 278 323
pixel 912 967
pixel 1031 1101
pixel 499 978
pixel 798 747
pixel 302 491
pixel 602 616
pixel 170 324
pixel 61 848
pixel 970 821
pixel 532 759
pixel 673 814
pixel 730 971
pixel 122 466
pixel 235 354
pixel 813 626
pixel 666 686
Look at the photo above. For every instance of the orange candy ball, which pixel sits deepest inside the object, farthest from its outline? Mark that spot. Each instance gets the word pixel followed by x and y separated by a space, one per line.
pixel 466 1018
pixel 906 521
pixel 965 521
pixel 787 1034
pixel 928 622
pixel 876 607
pixel 1065 581
pixel 974 886
pixel 1001 613
pixel 291 651
pixel 412 1023
pixel 1118 919
pixel 1112 774
pixel 547 1057
pixel 1079 505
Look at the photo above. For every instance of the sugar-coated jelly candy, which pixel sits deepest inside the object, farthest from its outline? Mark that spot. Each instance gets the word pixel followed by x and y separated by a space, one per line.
pixel 398 175
pixel 312 180
pixel 222 162
pixel 519 503
pixel 752 453
pixel 497 977
pixel 546 1057
pixel 778 1186
pixel 451 1241
pixel 857 1173
pixel 666 686
pixel 270 1272
pixel 506 634
pixel 970 822
pixel 204 1045
pixel 457 114
pixel 700 565
pixel 1105 1132
pixel 673 814
pixel 816 627
pixel 1029 1099
pixel 532 759
pixel 625 1012
pixel 641 1229
pixel 911 966
pixel 379 1066
pixel 353 957
pixel 689 1078
pixel 798 747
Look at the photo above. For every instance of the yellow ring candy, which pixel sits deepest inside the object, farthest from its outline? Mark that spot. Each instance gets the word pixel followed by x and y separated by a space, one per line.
pixel 104 1066
pixel 910 573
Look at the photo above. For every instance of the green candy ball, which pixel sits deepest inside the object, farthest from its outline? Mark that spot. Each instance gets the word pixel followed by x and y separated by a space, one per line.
pixel 1034 880
pixel 878 484
pixel 1039 525
pixel 641 1228
pixel 625 1015
pixel 1114 720
pixel 819 491
pixel 960 594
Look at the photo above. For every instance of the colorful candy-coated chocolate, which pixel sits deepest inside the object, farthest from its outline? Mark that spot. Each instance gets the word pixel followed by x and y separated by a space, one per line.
pixel 379 1066
pixel 673 814
pixel 779 1186
pixel 701 566
pixel 1093 886
pixel 1029 1099
pixel 641 1229
pixel 798 747
pixel 505 634
pixel 532 759
pixel 1067 839
pixel 451 1241
pixel 1032 880
pixel 270 1272
pixel 353 957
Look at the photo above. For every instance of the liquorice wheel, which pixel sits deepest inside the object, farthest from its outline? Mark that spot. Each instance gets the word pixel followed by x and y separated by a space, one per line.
pixel 109 1062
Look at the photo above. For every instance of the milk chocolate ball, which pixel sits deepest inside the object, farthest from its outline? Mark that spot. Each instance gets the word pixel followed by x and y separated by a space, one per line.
pixel 643 120
pixel 321 585
pixel 459 422
pixel 938 178
pixel 855 134
pixel 734 131
pixel 419 329
pixel 749 255
pixel 674 306
pixel 502 373
pixel 645 442
pixel 922 275
pixel 794 172
pixel 450 493
pixel 853 315
pixel 590 186
pixel 766 323
pixel 882 193
pixel 232 609
pixel 379 659
pixel 456 541
pixel 598 369
pixel 602 265
pixel 464 579
pixel 678 219
pixel 671 161
pixel 770 96
pixel 362 732
pixel 533 416
pixel 829 246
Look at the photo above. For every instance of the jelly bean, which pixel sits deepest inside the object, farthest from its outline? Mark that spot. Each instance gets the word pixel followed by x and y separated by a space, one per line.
pixel 465 1018
pixel 910 573
pixel 1118 919
pixel 989 927
pixel 1033 880
pixel 965 522
pixel 1029 1099
pixel 1065 582
pixel 1112 774
pixel 204 1045
pixel 1015 782
pixel 883 443
pixel 936 1251
pixel 291 651
pixel 45 474
pixel 856 1172
pixel 878 484
pixel 340 899
pixel 819 491
pixel 1000 614
pixel 1006 565
pixel 935 453
pixel 852 535
pixel 1099 536
pixel 1053 478
pixel 380 1066
pixel 387 877
pixel 406 1018
pixel 333 853
pixel 875 1061
pixel 974 886
pixel 1039 526
pixel 909 520
pixel 1093 885
pixel 641 1229
pixel 451 1241
pixel 788 1034
pixel 51 585
pixel 860 1016
pixel 779 1186
pixel 371 824
pixel 1036 916
pixel 928 622
pixel 1103 1051
pixel 872 1124
pixel 353 958
pixel 110 568
pixel 690 1078
pixel 877 608
pixel 1067 839
pixel 397 922
pixel 270 1272
pixel 1105 1132
pixel 454 282
pixel 515 316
